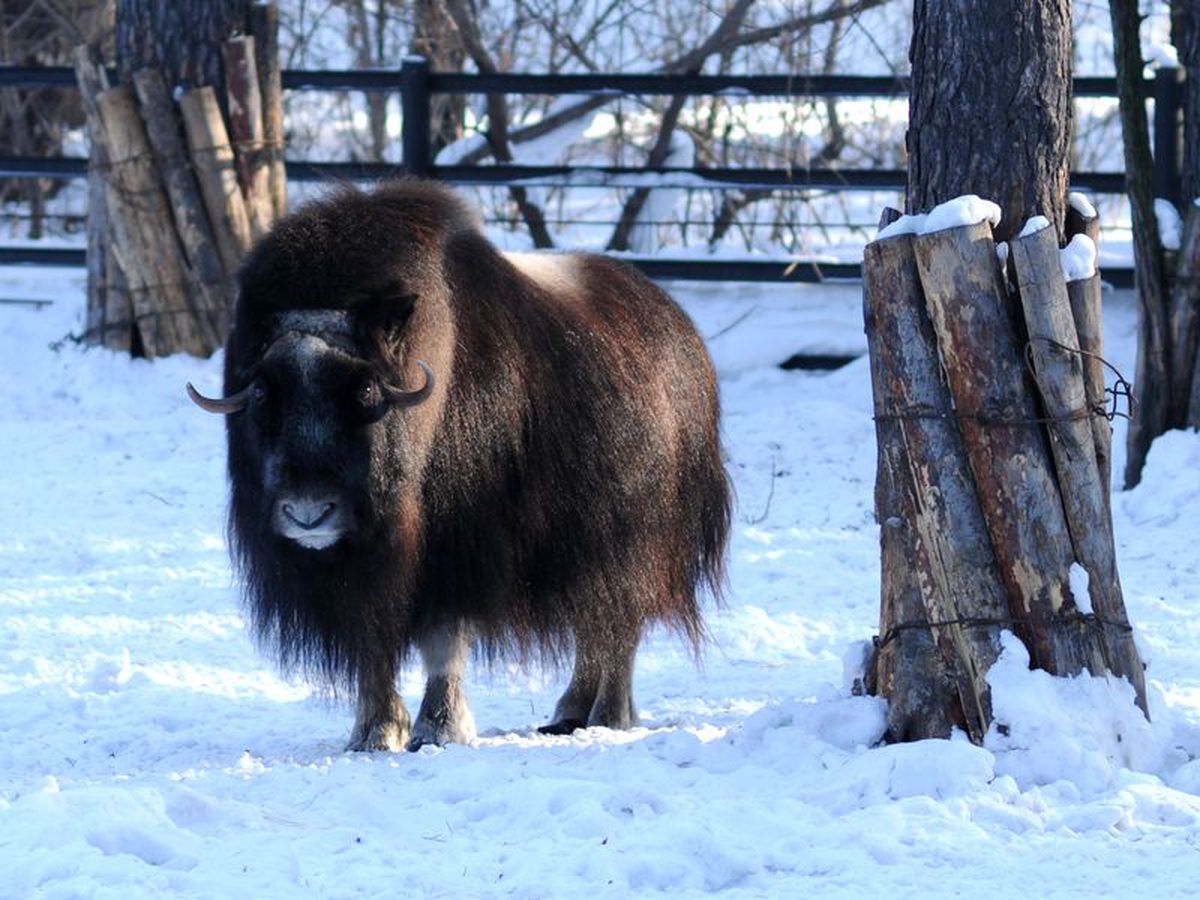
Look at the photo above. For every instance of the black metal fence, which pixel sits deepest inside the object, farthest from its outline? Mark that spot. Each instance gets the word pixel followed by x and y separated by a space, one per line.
pixel 416 85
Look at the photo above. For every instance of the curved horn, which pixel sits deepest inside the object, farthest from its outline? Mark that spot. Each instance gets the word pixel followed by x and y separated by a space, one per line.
pixel 401 397
pixel 222 405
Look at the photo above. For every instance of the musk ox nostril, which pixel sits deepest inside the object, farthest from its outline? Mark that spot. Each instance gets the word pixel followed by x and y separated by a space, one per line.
pixel 308 515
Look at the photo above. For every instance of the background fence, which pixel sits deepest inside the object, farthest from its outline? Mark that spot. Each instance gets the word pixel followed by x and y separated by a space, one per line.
pixel 416 85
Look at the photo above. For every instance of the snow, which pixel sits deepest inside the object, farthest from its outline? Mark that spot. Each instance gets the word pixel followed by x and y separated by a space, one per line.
pixel 152 750
pixel 1081 204
pixel 1080 581
pixel 1078 258
pixel 909 224
pixel 1170 225
pixel 965 210
pixel 1033 225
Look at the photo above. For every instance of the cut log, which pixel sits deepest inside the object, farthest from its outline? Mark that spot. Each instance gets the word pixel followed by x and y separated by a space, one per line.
pixel 191 220
pixel 264 25
pixel 109 313
pixel 246 131
pixel 212 158
pixel 1007 450
pixel 1084 295
pixel 931 520
pixel 1086 311
pixel 1059 373
pixel 143 233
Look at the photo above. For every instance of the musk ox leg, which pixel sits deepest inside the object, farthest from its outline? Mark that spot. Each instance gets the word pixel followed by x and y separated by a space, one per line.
pixel 444 717
pixel 601 689
pixel 382 721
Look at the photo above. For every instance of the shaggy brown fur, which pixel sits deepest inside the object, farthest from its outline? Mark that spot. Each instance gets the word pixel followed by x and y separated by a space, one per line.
pixel 560 489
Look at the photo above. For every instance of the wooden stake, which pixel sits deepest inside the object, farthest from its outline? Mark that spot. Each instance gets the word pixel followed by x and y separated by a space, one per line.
pixel 246 130
pixel 1018 493
pixel 213 291
pixel 264 25
pixel 931 515
pixel 144 234
pixel 109 312
pixel 1060 379
pixel 212 159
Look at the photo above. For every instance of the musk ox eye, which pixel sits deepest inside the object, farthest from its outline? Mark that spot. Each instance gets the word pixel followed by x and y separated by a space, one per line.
pixel 369 395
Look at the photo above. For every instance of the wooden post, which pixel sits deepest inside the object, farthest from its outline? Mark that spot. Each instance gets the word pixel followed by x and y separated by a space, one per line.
pixel 246 131
pixel 213 290
pixel 1086 310
pixel 264 25
pixel 212 157
pixel 1017 489
pixel 1059 374
pixel 143 234
pixel 932 526
pixel 415 109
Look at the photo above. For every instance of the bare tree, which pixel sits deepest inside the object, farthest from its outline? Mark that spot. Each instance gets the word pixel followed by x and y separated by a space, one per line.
pixel 1166 386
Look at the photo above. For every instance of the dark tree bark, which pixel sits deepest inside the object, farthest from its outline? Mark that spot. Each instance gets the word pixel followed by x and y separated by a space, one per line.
pixel 990 109
pixel 1185 35
pixel 1152 378
pixel 436 39
pixel 181 37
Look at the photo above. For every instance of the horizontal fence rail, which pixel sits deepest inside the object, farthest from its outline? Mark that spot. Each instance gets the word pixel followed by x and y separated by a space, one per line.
pixel 415 83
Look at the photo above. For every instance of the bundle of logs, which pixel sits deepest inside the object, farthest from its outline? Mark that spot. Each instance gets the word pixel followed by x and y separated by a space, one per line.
pixel 178 191
pixel 992 490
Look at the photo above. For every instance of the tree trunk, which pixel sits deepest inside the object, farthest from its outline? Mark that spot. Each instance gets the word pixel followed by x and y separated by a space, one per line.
pixel 1000 491
pixel 181 37
pixel 1162 377
pixel 435 38
pixel 990 108
pixel 1185 35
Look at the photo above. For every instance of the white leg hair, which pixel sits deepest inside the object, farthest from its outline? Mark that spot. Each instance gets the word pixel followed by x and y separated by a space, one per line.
pixel 444 717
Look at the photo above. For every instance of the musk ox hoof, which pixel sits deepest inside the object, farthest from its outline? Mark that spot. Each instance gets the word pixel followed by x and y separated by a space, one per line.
pixel 563 726
pixel 460 730
pixel 391 735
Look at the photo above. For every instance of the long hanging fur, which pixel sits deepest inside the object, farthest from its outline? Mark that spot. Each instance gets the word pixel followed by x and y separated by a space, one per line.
pixel 564 484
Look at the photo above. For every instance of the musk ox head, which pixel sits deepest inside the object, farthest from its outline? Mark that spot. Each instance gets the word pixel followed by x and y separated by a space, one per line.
pixel 342 332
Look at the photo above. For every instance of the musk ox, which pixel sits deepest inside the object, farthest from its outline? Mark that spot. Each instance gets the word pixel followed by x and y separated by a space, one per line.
pixel 435 444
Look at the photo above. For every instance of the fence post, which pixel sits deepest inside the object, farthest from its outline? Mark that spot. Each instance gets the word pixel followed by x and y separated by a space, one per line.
pixel 1168 99
pixel 414 107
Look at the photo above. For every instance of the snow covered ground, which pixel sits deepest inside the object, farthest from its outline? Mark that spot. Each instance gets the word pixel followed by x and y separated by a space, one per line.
pixel 149 749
